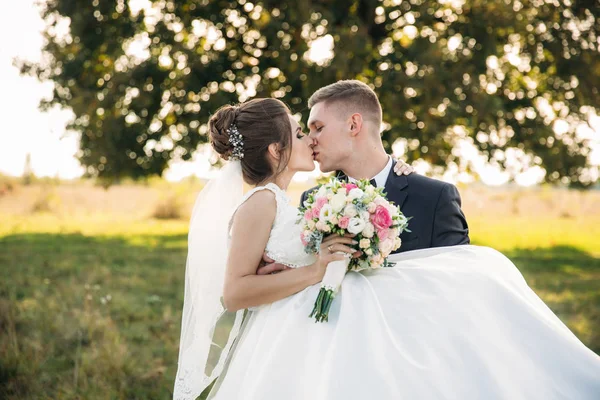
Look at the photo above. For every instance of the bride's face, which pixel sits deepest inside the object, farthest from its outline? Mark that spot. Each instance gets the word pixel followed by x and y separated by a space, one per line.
pixel 301 157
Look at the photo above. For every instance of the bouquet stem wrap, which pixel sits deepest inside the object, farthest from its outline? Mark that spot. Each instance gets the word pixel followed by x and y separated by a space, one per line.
pixel 332 280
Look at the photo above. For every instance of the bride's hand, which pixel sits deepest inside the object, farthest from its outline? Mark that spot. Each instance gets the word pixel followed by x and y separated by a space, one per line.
pixel 333 248
pixel 402 168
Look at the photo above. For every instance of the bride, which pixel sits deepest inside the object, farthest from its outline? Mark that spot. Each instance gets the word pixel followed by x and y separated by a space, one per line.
pixel 445 323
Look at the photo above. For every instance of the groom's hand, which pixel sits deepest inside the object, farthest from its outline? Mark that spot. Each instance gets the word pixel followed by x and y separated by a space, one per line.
pixel 402 168
pixel 269 266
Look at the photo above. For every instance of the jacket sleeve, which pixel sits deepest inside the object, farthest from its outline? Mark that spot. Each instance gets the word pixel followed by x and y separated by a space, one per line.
pixel 449 224
pixel 303 197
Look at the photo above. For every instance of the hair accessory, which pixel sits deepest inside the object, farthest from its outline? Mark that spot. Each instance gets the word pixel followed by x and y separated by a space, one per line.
pixel 236 139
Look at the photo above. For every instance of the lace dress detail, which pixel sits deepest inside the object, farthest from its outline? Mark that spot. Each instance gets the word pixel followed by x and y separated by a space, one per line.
pixel 284 244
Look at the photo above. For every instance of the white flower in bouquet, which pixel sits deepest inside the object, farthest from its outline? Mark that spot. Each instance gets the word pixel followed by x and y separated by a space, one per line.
pixel 364 243
pixel 380 201
pixel 320 225
pixel 350 211
pixel 387 246
pixel 356 225
pixel 364 215
pixel 338 201
pixel 356 193
pixel 369 252
pixel 369 230
pixel 397 243
pixel 310 224
pixel 326 213
pixel 371 207
pixel 321 192
pixel 377 260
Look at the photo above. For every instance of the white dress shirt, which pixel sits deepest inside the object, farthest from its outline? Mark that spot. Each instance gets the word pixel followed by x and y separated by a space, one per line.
pixel 381 177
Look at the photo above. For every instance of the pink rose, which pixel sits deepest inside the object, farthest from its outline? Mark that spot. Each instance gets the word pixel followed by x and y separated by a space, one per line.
pixel 381 218
pixel 382 234
pixel 308 215
pixel 343 222
pixel 321 201
pixel 349 187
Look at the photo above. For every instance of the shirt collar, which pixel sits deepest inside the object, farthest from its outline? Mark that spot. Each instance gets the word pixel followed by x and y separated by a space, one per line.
pixel 382 176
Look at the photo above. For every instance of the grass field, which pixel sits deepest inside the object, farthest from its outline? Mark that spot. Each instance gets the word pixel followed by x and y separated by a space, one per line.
pixel 90 303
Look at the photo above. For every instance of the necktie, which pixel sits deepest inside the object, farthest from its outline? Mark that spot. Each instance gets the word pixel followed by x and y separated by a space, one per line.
pixel 373 182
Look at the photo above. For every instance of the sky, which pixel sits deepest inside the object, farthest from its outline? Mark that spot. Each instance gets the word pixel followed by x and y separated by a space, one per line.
pixel 42 135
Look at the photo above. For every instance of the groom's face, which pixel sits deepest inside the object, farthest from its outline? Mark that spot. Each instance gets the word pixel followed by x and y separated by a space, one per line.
pixel 331 136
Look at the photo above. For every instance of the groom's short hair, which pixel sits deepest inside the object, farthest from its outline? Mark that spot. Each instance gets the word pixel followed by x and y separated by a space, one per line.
pixel 353 96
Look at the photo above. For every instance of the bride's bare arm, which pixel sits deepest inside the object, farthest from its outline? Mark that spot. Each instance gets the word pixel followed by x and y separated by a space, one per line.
pixel 250 232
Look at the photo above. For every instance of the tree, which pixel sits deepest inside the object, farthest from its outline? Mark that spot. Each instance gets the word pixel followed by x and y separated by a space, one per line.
pixel 513 78
pixel 28 174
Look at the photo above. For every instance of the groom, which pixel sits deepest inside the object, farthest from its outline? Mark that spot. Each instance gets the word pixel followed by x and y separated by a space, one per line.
pixel 344 122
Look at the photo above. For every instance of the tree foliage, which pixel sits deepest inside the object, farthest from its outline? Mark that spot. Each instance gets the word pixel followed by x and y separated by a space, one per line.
pixel 513 79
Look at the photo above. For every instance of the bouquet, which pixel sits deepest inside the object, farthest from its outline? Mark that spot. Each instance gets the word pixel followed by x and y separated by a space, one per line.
pixel 358 209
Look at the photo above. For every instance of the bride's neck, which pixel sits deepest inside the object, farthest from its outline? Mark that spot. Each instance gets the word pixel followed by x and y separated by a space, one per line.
pixel 282 180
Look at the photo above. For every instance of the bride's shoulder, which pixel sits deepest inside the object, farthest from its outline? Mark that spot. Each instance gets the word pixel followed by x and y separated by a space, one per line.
pixel 259 199
pixel 259 204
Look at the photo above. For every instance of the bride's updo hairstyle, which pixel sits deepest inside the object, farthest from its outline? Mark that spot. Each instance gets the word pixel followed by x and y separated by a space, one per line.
pixel 260 122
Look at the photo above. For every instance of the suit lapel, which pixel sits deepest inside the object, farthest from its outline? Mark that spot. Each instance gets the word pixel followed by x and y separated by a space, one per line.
pixel 396 187
pixel 341 176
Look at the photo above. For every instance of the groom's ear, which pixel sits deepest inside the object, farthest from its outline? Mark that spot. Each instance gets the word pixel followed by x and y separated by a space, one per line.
pixel 356 122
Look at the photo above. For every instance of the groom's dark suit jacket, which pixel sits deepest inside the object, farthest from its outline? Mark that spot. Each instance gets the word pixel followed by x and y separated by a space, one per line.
pixel 437 219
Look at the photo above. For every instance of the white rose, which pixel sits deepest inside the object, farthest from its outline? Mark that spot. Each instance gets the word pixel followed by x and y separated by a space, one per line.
pixel 321 192
pixel 326 228
pixel 350 211
pixel 397 243
pixel 338 201
pixel 386 246
pixel 380 201
pixel 371 207
pixel 364 243
pixel 356 193
pixel 376 260
pixel 356 225
pixel 369 252
pixel 334 220
pixel 320 225
pixel 326 213
pixel 310 224
pixel 369 230
pixel 370 190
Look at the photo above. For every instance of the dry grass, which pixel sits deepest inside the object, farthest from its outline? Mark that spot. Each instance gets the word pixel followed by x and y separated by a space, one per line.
pixel 175 200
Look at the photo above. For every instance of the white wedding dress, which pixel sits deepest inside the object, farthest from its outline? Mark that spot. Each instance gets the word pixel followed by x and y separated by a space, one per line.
pixel 445 323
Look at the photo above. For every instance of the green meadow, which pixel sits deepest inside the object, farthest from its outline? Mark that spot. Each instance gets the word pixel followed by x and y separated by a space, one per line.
pixel 90 301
